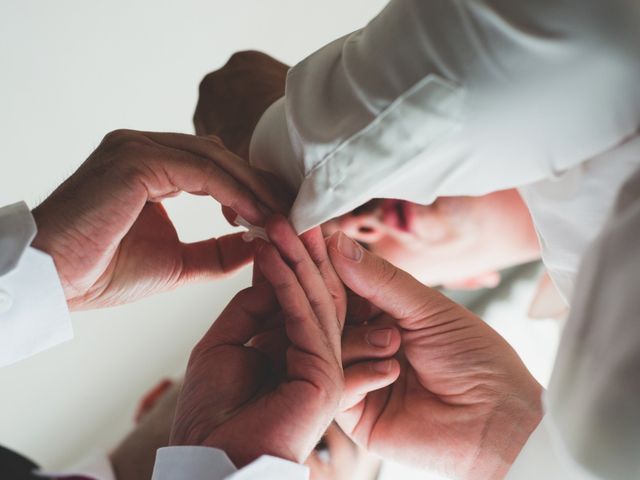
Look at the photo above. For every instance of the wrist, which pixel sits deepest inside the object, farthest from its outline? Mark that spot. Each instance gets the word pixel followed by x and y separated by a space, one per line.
pixel 44 241
pixel 508 430
pixel 60 246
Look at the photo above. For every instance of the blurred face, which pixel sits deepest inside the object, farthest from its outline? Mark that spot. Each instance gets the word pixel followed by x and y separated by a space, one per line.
pixel 338 458
pixel 459 242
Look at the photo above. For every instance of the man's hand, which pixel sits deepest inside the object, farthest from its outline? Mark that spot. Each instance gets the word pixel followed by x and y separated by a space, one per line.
pixel 248 401
pixel 464 403
pixel 267 377
pixel 233 99
pixel 109 236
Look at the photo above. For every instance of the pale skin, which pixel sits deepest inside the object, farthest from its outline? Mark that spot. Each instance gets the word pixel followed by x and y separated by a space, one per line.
pixel 109 236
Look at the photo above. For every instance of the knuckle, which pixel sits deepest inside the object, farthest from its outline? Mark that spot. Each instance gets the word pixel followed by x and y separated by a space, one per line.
pixel 119 136
pixel 242 56
pixel 124 143
pixel 386 273
pixel 197 352
pixel 208 82
pixel 243 296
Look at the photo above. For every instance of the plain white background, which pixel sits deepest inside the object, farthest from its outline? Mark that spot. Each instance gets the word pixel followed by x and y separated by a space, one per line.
pixel 71 71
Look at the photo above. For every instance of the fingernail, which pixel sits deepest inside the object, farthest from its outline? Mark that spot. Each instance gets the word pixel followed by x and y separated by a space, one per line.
pixel 379 338
pixel 382 367
pixel 349 248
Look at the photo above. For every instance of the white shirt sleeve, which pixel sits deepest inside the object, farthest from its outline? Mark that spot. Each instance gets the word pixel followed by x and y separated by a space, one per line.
pixel 33 309
pixel 592 426
pixel 204 463
pixel 453 97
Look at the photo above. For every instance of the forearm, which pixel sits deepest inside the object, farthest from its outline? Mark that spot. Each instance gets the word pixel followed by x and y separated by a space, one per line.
pixel 505 435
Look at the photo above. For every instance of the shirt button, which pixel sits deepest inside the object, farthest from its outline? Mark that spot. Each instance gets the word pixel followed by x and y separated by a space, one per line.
pixel 5 302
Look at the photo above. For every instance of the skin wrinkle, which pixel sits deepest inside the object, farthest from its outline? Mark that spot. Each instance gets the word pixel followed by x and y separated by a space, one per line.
pixel 377 419
pixel 93 293
pixel 317 358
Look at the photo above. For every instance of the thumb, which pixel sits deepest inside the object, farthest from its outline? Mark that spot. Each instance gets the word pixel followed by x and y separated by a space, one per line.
pixel 216 257
pixel 385 286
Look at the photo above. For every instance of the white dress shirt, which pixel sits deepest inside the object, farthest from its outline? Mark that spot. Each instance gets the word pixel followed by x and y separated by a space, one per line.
pixel 592 425
pixel 466 97
pixel 33 308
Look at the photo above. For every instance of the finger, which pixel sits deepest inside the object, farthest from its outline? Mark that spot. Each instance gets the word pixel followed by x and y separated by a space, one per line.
pixel 210 259
pixel 230 215
pixel 358 420
pixel 369 342
pixel 257 276
pixel 244 317
pixel 301 323
pixel 365 377
pixel 267 188
pixel 317 248
pixel 292 250
pixel 385 286
pixel 162 170
pixel 360 310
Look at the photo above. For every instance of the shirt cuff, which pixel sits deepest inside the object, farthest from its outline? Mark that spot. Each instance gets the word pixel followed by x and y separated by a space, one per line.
pixel 205 463
pixel 272 148
pixel 33 309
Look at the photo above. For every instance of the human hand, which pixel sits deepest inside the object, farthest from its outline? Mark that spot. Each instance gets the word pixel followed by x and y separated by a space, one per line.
pixel 250 390
pixel 464 403
pixel 112 241
pixel 233 98
pixel 250 403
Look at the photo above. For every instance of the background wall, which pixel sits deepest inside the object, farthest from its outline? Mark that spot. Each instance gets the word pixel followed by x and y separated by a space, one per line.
pixel 71 71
